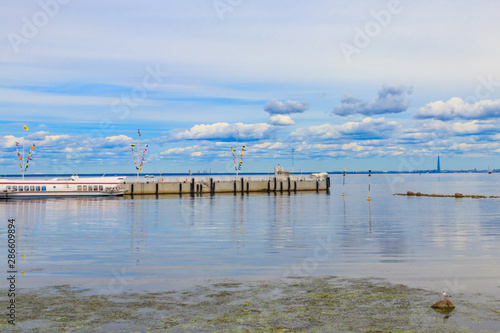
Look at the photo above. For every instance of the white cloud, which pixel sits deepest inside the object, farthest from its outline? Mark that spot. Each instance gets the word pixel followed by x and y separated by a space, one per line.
pixel 276 107
pixel 458 108
pixel 281 120
pixel 366 129
pixel 225 131
pixel 390 99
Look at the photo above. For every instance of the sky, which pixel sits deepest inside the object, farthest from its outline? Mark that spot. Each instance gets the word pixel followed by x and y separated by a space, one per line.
pixel 317 86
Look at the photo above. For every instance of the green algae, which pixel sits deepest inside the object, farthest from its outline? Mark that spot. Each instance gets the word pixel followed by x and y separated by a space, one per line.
pixel 326 304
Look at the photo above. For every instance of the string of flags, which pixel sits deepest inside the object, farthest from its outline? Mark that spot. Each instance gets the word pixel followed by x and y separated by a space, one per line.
pixel 19 156
pixel 30 154
pixel 143 159
pixel 32 151
pixel 239 165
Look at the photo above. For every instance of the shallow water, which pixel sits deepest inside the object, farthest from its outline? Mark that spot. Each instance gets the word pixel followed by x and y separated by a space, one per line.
pixel 170 242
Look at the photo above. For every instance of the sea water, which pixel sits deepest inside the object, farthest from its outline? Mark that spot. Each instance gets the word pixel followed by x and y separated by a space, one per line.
pixel 170 242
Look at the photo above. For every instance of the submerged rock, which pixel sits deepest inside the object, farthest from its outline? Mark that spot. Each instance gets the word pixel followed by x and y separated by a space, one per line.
pixel 443 305
pixel 459 195
pixel 410 193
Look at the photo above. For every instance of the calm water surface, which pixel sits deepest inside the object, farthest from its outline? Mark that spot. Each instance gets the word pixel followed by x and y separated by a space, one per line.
pixel 150 243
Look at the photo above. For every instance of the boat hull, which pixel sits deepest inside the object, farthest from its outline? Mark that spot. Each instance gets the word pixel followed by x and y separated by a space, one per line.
pixel 62 187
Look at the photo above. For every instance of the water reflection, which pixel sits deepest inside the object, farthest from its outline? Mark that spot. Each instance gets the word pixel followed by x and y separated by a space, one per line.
pixel 227 235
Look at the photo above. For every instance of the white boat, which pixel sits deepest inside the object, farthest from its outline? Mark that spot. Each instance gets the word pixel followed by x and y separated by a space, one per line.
pixel 62 187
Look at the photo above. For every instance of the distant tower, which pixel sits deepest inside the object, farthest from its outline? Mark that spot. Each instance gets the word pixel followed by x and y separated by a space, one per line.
pixel 438 166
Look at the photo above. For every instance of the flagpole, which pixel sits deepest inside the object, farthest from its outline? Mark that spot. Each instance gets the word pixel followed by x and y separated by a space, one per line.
pixel 138 150
pixel 237 149
pixel 23 159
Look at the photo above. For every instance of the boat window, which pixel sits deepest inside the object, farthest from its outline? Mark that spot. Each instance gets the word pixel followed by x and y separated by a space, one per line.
pixel 90 187
pixel 26 188
pixel 100 188
pixel 20 188
pixel 14 188
pixel 85 187
pixel 32 188
pixel 95 187
pixel 79 188
pixel 38 188
pixel 44 188
pixel 8 187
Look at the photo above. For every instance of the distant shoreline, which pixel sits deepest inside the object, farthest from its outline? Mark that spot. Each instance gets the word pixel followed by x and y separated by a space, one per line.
pixel 246 173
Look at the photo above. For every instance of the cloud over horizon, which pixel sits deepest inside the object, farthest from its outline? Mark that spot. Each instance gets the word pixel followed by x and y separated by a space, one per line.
pixel 457 108
pixel 225 131
pixel 281 120
pixel 365 129
pixel 274 106
pixel 390 99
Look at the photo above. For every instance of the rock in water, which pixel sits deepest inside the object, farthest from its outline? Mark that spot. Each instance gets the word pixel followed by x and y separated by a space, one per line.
pixel 443 305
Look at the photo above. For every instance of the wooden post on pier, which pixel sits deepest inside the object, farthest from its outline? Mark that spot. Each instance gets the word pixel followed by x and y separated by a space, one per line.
pixel 242 185
pixel 234 186
pixel 211 186
pixel 191 190
pixel 289 184
pixel 275 185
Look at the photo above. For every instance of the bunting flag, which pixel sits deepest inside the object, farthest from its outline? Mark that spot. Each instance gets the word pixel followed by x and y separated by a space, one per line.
pixel 32 151
pixel 25 128
pixel 139 132
pixel 237 165
pixel 241 157
pixel 234 159
pixel 17 143
pixel 20 159
pixel 143 159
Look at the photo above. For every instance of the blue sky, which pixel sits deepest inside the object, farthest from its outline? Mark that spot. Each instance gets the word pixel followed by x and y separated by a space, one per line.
pixel 382 85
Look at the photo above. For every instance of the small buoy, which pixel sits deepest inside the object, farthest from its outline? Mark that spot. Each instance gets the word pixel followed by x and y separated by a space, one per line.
pixel 23 256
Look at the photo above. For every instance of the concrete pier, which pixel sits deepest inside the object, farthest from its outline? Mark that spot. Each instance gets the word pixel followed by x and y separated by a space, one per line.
pixel 209 185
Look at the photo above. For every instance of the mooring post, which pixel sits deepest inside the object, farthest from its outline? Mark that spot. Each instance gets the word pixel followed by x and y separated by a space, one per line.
pixel 213 189
pixel 235 187
pixel 317 186
pixel 295 186
pixel 268 186
pixel 289 186
pixel 281 186
pixel 156 188
pixel 248 187
pixel 242 185
pixel 275 185
pixel 327 184
pixel 180 188
pixel 369 185
pixel 192 187
pixel 211 186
